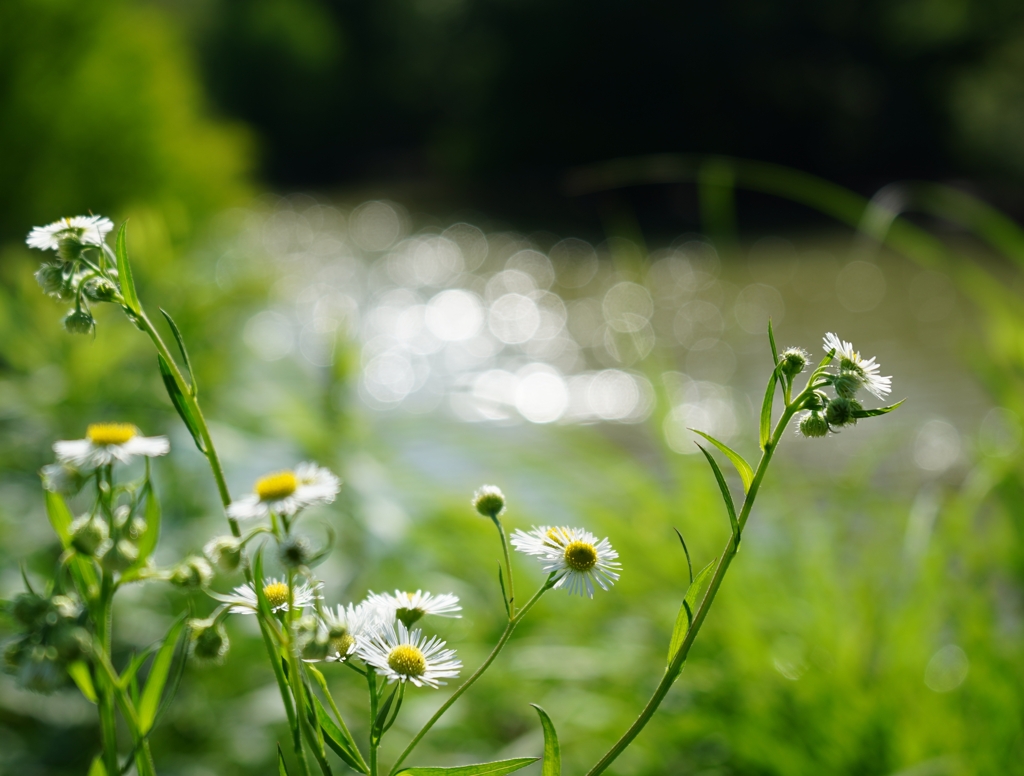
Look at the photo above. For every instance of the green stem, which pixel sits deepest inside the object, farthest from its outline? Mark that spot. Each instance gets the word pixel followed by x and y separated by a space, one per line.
pixel 295 678
pixel 508 566
pixel 371 682
pixel 108 721
pixel 676 665
pixel 143 758
pixel 511 626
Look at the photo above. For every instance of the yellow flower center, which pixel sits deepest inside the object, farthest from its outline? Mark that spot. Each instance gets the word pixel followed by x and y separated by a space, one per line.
pixel 276 486
pixel 580 556
pixel 340 645
pixel 276 593
pixel 407 660
pixel 556 536
pixel 110 433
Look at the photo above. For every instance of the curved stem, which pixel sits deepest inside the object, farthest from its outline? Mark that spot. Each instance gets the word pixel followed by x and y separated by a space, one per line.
pixel 511 626
pixel 508 566
pixel 676 665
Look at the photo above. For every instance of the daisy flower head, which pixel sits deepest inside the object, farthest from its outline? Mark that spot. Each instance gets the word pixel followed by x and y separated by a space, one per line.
pixel 410 607
pixel 573 555
pixel 852 365
pixel 105 443
pixel 402 655
pixel 287 492
pixel 350 626
pixel 87 230
pixel 276 591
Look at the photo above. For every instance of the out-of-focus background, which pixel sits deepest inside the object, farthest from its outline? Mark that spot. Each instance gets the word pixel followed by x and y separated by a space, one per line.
pixel 437 243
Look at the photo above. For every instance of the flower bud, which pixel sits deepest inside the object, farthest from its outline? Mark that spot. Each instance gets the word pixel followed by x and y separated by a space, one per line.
pixel 840 412
pixel 69 246
pixel 316 648
pixel 40 672
pixel 66 607
pixel 79 322
pixel 793 361
pixel 192 573
pixel 121 556
pixel 813 425
pixel 846 385
pixel 489 501
pixel 224 552
pixel 88 534
pixel 63 479
pixel 209 642
pixel 294 551
pixel 50 278
pixel 99 290
pixel 72 642
pixel 30 609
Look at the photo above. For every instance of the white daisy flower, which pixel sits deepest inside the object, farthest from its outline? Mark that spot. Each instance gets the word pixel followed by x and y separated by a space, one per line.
pixel 287 492
pixel 244 601
pixel 409 607
pixel 90 230
pixel 404 656
pixel 574 555
pixel 348 627
pixel 850 362
pixel 108 442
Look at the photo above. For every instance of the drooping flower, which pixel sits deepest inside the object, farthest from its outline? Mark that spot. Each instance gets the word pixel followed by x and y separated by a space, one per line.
pixel 402 655
pixel 244 601
pixel 573 555
pixel 88 230
pixel 410 607
pixel 851 364
pixel 287 492
pixel 108 442
pixel 347 627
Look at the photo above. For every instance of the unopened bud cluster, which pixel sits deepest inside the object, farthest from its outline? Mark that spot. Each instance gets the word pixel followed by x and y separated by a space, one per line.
pixel 52 635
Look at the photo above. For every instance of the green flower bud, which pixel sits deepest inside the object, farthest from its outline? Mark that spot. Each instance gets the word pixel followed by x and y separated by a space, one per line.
pixel 72 642
pixel 840 412
pixel 30 610
pixel 793 361
pixel 63 479
pixel 41 672
pixel 14 656
pixel 69 246
pixel 121 556
pixel 99 290
pixel 813 425
pixel 80 322
pixel 192 573
pixel 846 385
pixel 50 278
pixel 224 552
pixel 489 501
pixel 209 643
pixel 294 552
pixel 88 534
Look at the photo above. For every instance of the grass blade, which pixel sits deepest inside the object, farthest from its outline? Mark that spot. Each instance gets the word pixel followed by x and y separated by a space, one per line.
pixel 552 765
pixel 498 768
pixel 745 472
pixel 158 673
pixel 124 271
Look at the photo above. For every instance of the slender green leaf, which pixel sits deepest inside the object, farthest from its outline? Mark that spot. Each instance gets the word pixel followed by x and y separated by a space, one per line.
pixel 98 768
pixel 499 768
pixel 147 542
pixel 745 472
pixel 685 617
pixel 79 672
pixel 82 570
pixel 726 496
pixel 282 769
pixel 124 271
pixel 158 673
pixel 552 753
pixel 879 411
pixel 771 341
pixel 180 404
pixel 135 664
pixel 335 738
pixel 504 595
pixel 382 714
pixel 765 428
pixel 192 385
pixel 686 551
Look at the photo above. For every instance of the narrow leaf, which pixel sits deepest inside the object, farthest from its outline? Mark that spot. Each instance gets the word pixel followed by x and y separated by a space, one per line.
pixel 282 769
pixel 124 271
pixel 771 340
pixel 765 429
pixel 98 768
pixel 689 564
pixel 382 714
pixel 193 387
pixel 147 542
pixel 552 753
pixel 879 411
pixel 499 768
pixel 685 616
pixel 726 496
pixel 79 672
pixel 745 472
pixel 504 596
pixel 335 738
pixel 154 689
pixel 128 675
pixel 82 570
pixel 178 400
